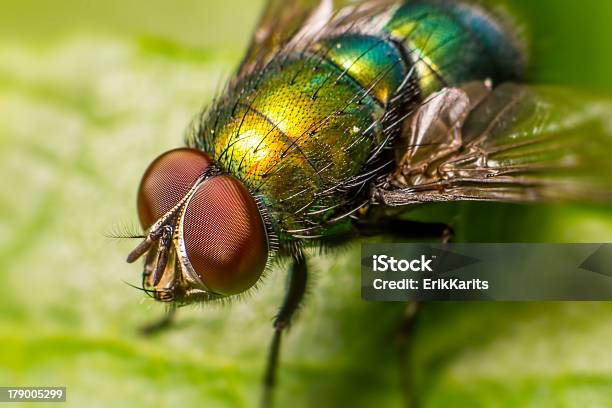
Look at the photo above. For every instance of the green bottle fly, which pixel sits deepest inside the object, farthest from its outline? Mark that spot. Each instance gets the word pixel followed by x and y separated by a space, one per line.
pixel 287 155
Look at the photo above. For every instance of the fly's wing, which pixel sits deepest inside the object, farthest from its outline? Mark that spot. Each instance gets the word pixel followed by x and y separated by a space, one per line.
pixel 279 22
pixel 284 21
pixel 515 143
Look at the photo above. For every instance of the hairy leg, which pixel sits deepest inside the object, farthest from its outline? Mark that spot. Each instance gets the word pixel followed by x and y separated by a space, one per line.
pixel 296 286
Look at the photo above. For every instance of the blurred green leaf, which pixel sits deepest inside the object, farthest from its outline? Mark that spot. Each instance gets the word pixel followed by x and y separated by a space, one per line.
pixel 81 116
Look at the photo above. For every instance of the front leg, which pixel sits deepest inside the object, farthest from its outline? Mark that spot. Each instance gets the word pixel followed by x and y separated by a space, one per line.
pixel 294 293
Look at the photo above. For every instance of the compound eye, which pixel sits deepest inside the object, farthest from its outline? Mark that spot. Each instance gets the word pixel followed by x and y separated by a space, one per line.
pixel 224 236
pixel 166 181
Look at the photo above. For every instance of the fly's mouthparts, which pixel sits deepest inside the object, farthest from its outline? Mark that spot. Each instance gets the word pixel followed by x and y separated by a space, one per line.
pixel 163 225
pixel 161 229
pixel 162 253
pixel 141 249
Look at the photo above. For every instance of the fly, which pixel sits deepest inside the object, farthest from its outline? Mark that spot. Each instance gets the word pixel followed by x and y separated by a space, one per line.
pixel 342 115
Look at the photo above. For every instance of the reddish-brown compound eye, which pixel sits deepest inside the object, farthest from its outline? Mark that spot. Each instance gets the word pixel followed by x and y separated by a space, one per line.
pixel 224 236
pixel 167 180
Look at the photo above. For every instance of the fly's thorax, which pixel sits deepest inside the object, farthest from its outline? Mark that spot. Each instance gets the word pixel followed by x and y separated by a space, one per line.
pixel 299 128
pixel 374 62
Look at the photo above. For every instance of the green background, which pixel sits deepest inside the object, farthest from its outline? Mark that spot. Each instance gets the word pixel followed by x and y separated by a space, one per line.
pixel 90 92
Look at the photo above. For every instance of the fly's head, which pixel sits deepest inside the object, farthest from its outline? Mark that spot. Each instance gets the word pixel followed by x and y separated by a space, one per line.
pixel 205 235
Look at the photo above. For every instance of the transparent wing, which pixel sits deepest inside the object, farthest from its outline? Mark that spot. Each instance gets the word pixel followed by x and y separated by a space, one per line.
pixel 285 20
pixel 514 143
pixel 279 21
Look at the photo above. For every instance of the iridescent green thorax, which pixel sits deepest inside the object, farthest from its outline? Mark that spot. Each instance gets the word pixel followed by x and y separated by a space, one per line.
pixel 374 62
pixel 306 132
pixel 299 129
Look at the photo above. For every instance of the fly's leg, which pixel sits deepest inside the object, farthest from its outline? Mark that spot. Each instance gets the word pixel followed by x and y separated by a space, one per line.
pixel 162 324
pixel 405 338
pixel 404 343
pixel 408 230
pixel 294 293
